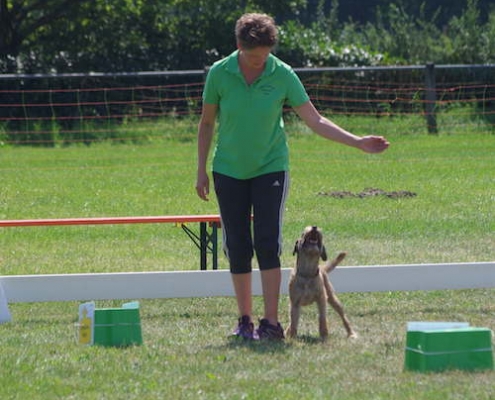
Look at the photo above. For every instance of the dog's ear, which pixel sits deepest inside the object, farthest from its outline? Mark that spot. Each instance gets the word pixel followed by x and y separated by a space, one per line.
pixel 295 251
pixel 324 256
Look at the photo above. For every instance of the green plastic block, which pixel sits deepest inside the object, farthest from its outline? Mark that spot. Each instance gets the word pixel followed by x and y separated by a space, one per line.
pixel 118 326
pixel 444 349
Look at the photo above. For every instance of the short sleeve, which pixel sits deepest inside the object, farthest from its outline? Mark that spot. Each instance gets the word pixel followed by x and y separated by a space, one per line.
pixel 296 93
pixel 210 92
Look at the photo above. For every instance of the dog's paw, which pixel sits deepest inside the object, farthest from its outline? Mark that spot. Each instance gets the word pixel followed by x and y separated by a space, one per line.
pixel 290 333
pixel 352 335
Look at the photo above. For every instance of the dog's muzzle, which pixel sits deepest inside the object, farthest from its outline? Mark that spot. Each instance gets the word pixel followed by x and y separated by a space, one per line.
pixel 311 240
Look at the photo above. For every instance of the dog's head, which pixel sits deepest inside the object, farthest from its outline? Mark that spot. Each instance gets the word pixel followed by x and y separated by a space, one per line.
pixel 311 243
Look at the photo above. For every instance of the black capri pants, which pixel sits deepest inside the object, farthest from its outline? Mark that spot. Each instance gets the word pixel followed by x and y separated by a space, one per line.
pixel 264 196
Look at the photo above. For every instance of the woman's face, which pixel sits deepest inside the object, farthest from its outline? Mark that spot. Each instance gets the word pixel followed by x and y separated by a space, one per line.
pixel 255 58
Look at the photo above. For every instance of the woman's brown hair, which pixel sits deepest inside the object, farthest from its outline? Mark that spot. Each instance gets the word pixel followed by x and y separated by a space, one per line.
pixel 256 30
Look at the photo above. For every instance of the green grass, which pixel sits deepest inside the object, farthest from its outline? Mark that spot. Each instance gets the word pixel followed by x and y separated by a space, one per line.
pixel 186 354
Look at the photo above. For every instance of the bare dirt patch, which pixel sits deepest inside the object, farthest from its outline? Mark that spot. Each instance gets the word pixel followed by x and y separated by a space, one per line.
pixel 369 192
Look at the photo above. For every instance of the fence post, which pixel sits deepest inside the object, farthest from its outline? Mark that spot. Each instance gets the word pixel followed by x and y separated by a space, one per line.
pixel 430 99
pixel 4 307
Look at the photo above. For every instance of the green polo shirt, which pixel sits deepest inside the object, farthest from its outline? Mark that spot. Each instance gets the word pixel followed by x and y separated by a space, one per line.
pixel 251 139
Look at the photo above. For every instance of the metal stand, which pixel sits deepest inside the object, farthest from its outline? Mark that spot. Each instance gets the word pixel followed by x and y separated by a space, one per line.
pixel 206 242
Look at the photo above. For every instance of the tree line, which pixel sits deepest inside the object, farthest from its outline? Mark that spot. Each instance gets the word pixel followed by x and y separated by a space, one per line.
pixel 63 36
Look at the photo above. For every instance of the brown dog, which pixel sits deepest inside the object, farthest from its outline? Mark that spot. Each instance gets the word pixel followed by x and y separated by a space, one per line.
pixel 309 282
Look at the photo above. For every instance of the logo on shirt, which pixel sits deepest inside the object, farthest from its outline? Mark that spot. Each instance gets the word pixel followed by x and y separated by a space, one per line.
pixel 267 89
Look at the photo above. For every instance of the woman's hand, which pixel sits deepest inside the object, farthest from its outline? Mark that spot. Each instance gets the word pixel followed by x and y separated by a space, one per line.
pixel 373 144
pixel 203 186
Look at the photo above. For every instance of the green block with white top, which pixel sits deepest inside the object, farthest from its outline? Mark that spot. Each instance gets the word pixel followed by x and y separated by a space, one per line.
pixel 118 327
pixel 444 349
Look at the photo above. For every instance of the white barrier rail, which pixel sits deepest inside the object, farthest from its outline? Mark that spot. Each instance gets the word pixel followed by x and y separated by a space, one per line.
pixel 147 285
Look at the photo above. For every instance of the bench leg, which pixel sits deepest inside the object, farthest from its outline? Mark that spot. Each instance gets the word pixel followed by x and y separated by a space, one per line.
pixel 203 248
pixel 206 242
pixel 214 245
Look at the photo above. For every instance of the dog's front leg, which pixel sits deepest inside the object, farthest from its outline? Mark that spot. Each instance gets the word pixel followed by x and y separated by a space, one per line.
pixel 295 313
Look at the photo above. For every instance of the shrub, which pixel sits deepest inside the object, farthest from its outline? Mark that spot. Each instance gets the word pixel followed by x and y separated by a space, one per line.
pixel 314 46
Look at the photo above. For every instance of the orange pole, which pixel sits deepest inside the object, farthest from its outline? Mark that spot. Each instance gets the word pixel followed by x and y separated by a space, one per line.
pixel 178 219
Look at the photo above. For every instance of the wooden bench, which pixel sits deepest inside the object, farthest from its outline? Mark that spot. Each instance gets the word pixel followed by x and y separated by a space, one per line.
pixel 205 240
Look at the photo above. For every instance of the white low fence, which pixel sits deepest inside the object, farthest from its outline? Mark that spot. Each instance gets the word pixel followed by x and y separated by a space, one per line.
pixel 155 285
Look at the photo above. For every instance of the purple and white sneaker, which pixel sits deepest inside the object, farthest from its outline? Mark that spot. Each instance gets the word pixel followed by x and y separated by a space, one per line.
pixel 245 329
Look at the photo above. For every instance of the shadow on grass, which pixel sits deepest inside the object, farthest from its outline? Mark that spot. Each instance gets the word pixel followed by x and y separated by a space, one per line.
pixel 308 339
pixel 258 346
pixel 270 346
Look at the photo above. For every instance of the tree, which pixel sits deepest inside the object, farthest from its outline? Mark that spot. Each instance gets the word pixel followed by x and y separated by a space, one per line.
pixel 122 35
pixel 41 36
pixel 21 21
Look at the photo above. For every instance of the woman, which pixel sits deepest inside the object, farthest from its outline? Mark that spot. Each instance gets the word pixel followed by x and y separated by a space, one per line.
pixel 246 92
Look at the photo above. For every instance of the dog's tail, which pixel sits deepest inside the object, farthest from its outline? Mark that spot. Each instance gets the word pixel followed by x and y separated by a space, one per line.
pixel 330 266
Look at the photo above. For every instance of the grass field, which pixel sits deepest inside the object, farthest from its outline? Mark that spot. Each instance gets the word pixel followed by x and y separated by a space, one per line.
pixel 186 354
